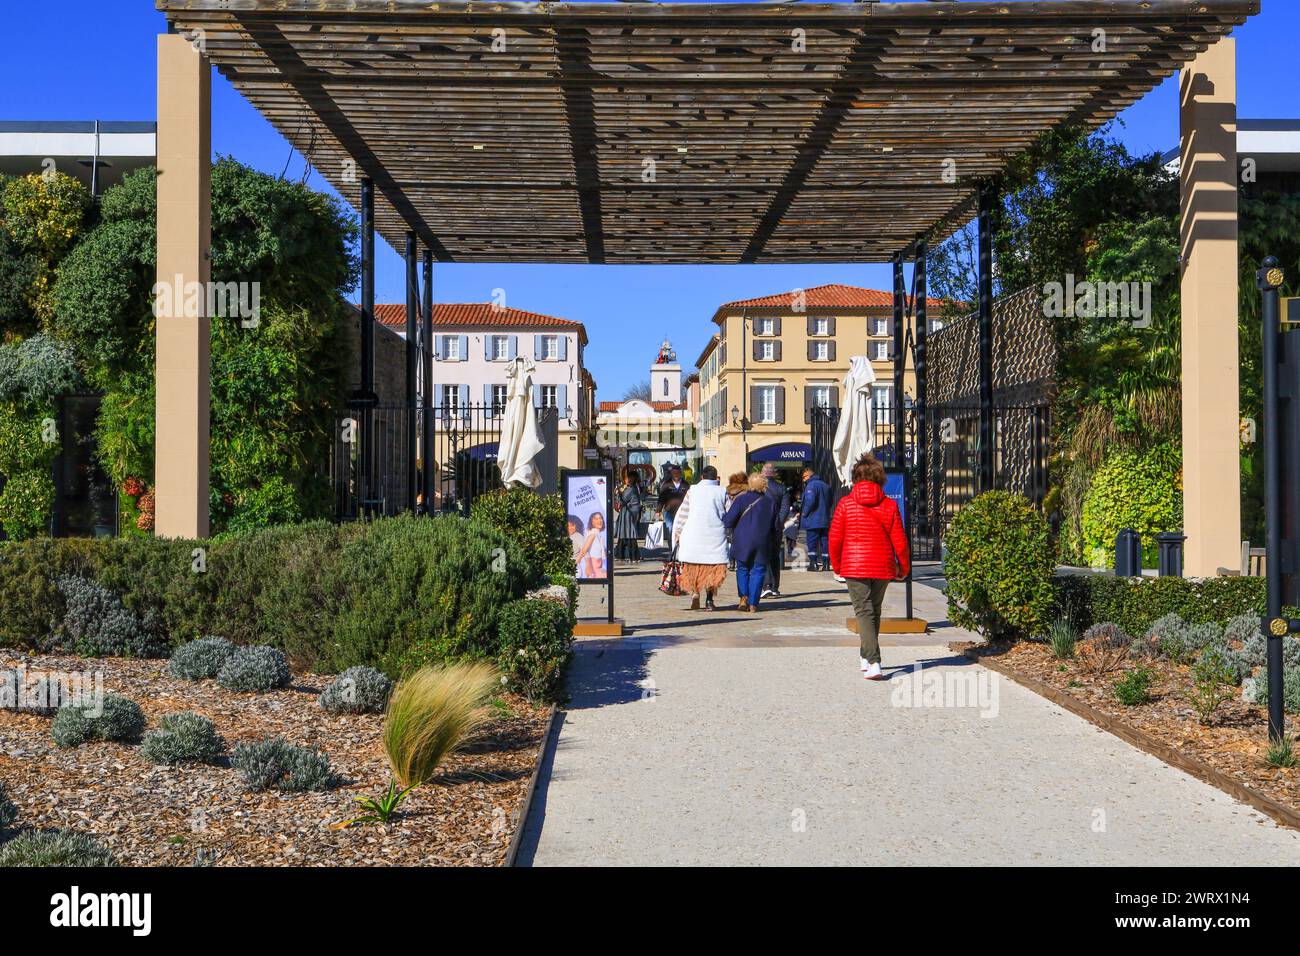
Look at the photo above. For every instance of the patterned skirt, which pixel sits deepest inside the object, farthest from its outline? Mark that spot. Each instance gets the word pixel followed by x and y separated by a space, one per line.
pixel 698 578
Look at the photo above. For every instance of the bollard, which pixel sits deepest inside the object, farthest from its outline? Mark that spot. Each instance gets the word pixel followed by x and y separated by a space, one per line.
pixel 1170 562
pixel 1128 554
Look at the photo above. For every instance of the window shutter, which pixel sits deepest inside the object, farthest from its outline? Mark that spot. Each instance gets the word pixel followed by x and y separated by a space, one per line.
pixel 537 396
pixel 564 348
pixel 830 328
pixel 776 350
pixel 514 348
pixel 437 348
pixel 812 325
pixel 537 348
pixel 812 346
pixel 464 348
pixel 437 399
pixel 752 413
pixel 757 353
pixel 723 408
pixel 562 397
pixel 780 404
pixel 487 346
pixel 487 400
pixel 807 402
pixel 464 401
pixel 776 325
pixel 722 349
pixel 835 396
pixel 831 350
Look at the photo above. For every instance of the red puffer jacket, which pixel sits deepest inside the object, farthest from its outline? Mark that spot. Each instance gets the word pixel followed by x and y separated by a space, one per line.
pixel 866 523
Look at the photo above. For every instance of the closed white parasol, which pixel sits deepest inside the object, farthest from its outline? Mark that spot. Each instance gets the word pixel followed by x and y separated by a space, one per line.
pixel 521 441
pixel 856 432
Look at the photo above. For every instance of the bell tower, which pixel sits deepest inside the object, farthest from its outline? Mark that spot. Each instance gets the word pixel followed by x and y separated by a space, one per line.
pixel 666 376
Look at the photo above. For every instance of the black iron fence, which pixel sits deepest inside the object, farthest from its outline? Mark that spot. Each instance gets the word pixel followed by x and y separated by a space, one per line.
pixel 950 456
pixel 463 454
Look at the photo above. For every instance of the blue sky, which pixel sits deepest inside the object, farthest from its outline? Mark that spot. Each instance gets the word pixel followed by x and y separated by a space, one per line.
pixel 91 59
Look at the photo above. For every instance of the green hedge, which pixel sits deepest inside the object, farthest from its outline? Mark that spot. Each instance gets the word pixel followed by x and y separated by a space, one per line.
pixel 999 567
pixel 534 522
pixel 1136 603
pixel 1139 491
pixel 329 596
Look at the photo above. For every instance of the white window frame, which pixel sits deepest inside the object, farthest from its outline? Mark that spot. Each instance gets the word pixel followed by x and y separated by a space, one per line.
pixel 762 414
pixel 550 348
pixel 821 395
pixel 550 396
pixel 451 348
pixel 822 351
pixel 500 348
pixel 767 351
pixel 821 326
pixel 881 350
pixel 499 406
pixel 882 402
pixel 880 326
pixel 450 399
pixel 765 326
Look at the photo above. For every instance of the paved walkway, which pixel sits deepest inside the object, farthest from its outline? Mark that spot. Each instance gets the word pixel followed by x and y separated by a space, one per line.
pixel 751 739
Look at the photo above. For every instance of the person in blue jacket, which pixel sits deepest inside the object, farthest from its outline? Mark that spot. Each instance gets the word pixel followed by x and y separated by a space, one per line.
pixel 753 519
pixel 815 517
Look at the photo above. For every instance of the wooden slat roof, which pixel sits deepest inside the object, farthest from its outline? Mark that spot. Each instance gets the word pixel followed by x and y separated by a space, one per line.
pixel 654 133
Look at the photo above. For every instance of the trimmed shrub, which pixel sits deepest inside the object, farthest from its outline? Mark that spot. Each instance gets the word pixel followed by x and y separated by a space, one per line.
pixel 1107 634
pixel 536 523
pixel 999 567
pixel 273 763
pixel 252 669
pixel 1255 651
pixel 182 737
pixel 536 638
pixel 8 809
pixel 1139 491
pixel 95 624
pixel 26 503
pixel 358 690
pixel 75 724
pixel 1136 603
pixel 201 659
pixel 54 848
pixel 1134 687
pixel 1290 688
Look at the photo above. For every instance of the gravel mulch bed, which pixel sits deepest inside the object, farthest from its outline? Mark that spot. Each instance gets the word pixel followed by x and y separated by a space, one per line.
pixel 180 816
pixel 1234 743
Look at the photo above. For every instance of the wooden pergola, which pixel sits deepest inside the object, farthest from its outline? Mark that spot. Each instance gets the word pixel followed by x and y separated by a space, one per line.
pixel 653 133
pixel 694 133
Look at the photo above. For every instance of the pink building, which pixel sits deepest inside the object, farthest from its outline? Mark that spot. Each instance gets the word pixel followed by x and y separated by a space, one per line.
pixel 474 341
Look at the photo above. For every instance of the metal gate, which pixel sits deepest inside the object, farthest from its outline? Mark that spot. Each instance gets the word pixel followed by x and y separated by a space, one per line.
pixel 463 455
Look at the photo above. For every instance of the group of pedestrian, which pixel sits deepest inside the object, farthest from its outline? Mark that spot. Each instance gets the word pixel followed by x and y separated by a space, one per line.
pixel 862 539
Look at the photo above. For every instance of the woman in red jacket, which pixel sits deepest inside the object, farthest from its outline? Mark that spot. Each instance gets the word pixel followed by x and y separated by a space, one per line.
pixel 868 546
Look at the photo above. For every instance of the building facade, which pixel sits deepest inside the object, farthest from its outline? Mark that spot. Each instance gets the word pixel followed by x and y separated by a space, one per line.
pixel 773 359
pixel 474 342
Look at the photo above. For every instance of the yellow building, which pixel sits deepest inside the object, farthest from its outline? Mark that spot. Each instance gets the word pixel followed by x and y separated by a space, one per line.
pixel 773 358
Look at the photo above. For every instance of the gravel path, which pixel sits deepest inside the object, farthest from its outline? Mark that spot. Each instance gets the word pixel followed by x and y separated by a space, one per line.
pixel 752 746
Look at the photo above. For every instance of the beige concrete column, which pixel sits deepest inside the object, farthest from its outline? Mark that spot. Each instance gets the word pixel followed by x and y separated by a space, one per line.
pixel 182 365
pixel 1211 415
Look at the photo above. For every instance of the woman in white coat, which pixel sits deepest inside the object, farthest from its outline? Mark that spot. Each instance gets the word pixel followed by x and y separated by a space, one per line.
pixel 700 538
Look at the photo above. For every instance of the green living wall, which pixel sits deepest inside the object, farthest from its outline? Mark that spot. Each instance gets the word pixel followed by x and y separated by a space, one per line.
pixel 77 282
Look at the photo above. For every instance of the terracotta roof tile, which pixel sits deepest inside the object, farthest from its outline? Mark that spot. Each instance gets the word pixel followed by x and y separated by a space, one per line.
pixel 833 296
pixel 477 315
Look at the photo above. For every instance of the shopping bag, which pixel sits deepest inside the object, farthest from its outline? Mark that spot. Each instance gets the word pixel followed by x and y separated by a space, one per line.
pixel 654 535
pixel 670 577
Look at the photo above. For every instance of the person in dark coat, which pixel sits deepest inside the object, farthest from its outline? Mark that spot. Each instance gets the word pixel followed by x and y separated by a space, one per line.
pixel 815 517
pixel 752 519
pixel 671 492
pixel 627 522
pixel 776 547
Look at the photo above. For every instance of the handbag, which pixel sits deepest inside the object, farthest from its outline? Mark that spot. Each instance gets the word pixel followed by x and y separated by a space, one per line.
pixel 670 578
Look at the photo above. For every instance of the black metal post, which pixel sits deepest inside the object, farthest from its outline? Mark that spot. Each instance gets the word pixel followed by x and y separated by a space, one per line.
pixel 986 199
pixel 922 321
pixel 900 364
pixel 364 399
pixel 412 310
pixel 1269 278
pixel 426 398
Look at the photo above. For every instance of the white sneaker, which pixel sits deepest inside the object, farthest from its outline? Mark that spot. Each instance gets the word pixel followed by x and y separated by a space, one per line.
pixel 872 672
pixel 863 664
pixel 767 593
